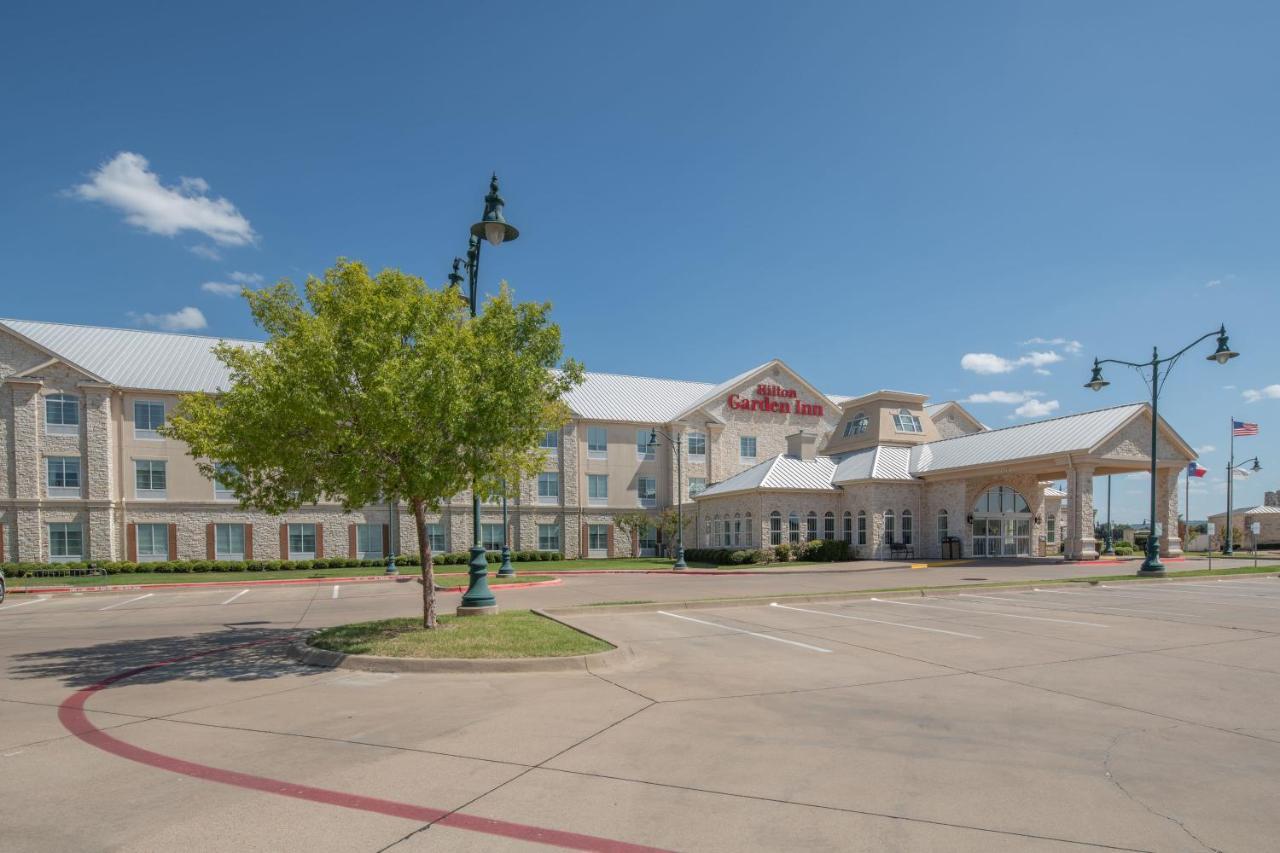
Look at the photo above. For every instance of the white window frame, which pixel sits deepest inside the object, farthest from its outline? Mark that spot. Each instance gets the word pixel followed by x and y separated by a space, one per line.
pixel 66 528
pixel 647 540
pixel 550 441
pixel 147 552
pixel 651 499
pixel 694 440
pixel 490 529
pixel 549 537
pixel 597 533
pixel 908 531
pixel 905 422
pixel 369 530
pixel 300 530
pixel 548 487
pixel 61 427
pixel 597 499
pixel 228 553
pixel 151 494
pixel 594 448
pixel 862 527
pixel 644 450
pixel 742 447
pixel 148 433
pixel 1051 529
pixel 436 537
pixel 697 485
pixel 63 491
pixel 221 492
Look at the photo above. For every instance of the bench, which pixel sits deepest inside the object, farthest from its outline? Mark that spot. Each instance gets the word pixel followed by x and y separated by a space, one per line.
pixel 898 550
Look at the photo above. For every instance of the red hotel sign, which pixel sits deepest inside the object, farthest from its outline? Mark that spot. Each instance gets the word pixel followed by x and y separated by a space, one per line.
pixel 772 398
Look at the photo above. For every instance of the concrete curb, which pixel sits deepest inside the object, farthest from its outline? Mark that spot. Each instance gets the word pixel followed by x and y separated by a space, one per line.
pixel 300 651
pixel 401 578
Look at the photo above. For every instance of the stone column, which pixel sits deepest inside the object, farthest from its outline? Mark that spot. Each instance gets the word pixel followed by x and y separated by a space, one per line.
pixel 27 433
pixel 1167 512
pixel 1078 541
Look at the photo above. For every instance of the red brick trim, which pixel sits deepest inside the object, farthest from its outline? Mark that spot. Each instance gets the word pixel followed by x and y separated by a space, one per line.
pixel 173 541
pixel 386 539
pixel 610 552
pixel 319 541
pixel 131 542
pixel 284 541
pixel 210 540
pixel 585 540
pixel 248 541
pixel 351 541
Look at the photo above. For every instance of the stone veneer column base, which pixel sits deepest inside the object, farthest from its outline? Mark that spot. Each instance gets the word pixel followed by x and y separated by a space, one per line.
pixel 491 610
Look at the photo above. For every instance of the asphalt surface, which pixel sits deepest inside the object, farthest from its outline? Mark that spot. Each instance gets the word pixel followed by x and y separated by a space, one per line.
pixel 1134 718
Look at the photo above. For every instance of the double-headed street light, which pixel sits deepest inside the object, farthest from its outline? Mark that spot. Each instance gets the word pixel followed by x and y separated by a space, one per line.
pixel 1151 566
pixel 678 444
pixel 492 227
pixel 1232 468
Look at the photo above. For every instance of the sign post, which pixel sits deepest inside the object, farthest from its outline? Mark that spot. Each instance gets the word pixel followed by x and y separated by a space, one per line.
pixel 1209 530
pixel 1256 530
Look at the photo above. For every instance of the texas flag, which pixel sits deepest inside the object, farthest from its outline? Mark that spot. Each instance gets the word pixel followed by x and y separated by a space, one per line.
pixel 1196 470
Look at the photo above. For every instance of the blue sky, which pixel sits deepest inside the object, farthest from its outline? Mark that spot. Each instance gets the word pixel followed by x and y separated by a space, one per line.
pixel 870 192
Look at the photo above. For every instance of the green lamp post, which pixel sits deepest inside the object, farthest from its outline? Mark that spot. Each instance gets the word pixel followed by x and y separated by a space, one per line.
pixel 678 444
pixel 1232 467
pixel 478 599
pixel 1151 565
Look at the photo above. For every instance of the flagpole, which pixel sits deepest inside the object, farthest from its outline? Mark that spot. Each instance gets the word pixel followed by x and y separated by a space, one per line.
pixel 1186 506
pixel 1231 464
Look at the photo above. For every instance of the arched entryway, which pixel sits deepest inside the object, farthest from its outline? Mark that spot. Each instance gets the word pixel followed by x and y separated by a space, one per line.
pixel 1001 524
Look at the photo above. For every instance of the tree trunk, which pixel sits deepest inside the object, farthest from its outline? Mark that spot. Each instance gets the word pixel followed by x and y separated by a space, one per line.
pixel 428 569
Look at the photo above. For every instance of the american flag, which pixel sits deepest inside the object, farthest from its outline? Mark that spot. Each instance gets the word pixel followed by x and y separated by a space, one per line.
pixel 1242 428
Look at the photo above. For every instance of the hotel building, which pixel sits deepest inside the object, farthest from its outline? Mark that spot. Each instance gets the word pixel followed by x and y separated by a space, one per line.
pixel 767 458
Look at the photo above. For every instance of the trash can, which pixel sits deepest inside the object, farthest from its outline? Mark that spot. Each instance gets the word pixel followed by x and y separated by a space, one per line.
pixel 952 548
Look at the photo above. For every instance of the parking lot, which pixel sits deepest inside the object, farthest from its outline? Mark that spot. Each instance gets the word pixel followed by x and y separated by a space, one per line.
pixel 1134 717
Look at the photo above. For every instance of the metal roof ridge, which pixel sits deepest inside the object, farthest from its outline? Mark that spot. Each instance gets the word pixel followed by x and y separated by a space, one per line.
pixel 156 332
pixel 637 376
pixel 1029 423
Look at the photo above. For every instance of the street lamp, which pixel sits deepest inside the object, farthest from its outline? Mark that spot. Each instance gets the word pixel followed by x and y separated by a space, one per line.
pixel 678 443
pixel 1151 566
pixel 1232 467
pixel 492 227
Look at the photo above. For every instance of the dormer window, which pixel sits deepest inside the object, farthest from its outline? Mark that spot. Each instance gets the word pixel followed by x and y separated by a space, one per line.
pixel 857 425
pixel 904 421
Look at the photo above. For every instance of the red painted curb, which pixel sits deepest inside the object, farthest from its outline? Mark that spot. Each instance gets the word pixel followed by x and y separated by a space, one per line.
pixel 72 715
pixel 278 582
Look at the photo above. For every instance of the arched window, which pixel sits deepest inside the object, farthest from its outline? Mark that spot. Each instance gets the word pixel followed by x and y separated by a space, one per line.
pixel 793 528
pixel 775 528
pixel 848 527
pixel 811 526
pixel 737 528
pixel 747 530
pixel 857 425
pixel 904 421
pixel 999 499
pixel 706 532
pixel 727 539
pixel 944 523
pixel 862 527
pixel 889 531
pixel 906 527
pixel 829 527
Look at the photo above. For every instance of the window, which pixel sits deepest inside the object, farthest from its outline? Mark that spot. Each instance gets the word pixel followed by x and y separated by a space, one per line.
pixel 61 414
pixel 302 541
pixel 598 538
pixel 906 527
pixel 697 444
pixel 152 542
pixel 149 478
pixel 1001 499
pixel 221 491
pixel 856 425
pixel 747 448
pixel 726 532
pixel 862 527
pixel 904 421
pixel 369 541
pixel 775 528
pixel 746 531
pixel 706 533
pixel 644 450
pixel 888 527
pixel 597 443
pixel 944 525
pixel 147 418
pixel 228 541
pixel 648 489
pixel 548 537
pixel 598 489
pixel 548 487
pixel 62 476
pixel 550 440
pixel 793 528
pixel 649 540
pixel 848 527
pixel 435 536
pixel 811 526
pixel 697 485
pixel 829 527
pixel 491 537
pixel 737 530
pixel 1051 529
pixel 66 543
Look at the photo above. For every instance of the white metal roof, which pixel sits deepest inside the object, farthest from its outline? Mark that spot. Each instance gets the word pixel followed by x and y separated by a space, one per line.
pixel 1024 441
pixel 613 397
pixel 1253 510
pixel 780 473
pixel 881 462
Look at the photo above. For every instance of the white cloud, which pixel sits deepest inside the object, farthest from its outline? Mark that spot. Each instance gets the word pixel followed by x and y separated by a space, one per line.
pixel 239 281
pixel 1213 283
pixel 1253 395
pixel 127 183
pixel 1040 371
pixel 989 363
pixel 1007 397
pixel 1068 344
pixel 1037 408
pixel 1205 448
pixel 183 320
pixel 207 252
pixel 1228 387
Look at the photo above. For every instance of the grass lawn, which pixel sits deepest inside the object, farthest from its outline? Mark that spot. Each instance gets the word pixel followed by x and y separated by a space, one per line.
pixel 510 634
pixel 445 576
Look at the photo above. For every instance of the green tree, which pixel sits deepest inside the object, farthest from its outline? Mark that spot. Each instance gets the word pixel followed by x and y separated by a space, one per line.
pixel 373 389
pixel 668 524
pixel 633 521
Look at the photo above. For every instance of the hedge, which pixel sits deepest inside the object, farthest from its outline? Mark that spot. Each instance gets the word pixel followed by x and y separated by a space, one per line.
pixel 816 550
pixel 24 570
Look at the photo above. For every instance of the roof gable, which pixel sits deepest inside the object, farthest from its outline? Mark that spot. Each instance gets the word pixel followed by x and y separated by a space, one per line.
pixel 717 391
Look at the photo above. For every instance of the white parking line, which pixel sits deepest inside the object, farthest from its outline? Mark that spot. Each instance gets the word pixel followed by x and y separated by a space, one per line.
pixel 25 603
pixel 989 613
pixel 335 590
pixel 1121 609
pixel 130 601
pixel 234 597
pixel 742 631
pixel 1204 596
pixel 877 621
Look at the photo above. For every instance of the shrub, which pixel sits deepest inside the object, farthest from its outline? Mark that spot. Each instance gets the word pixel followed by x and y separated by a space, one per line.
pixel 782 552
